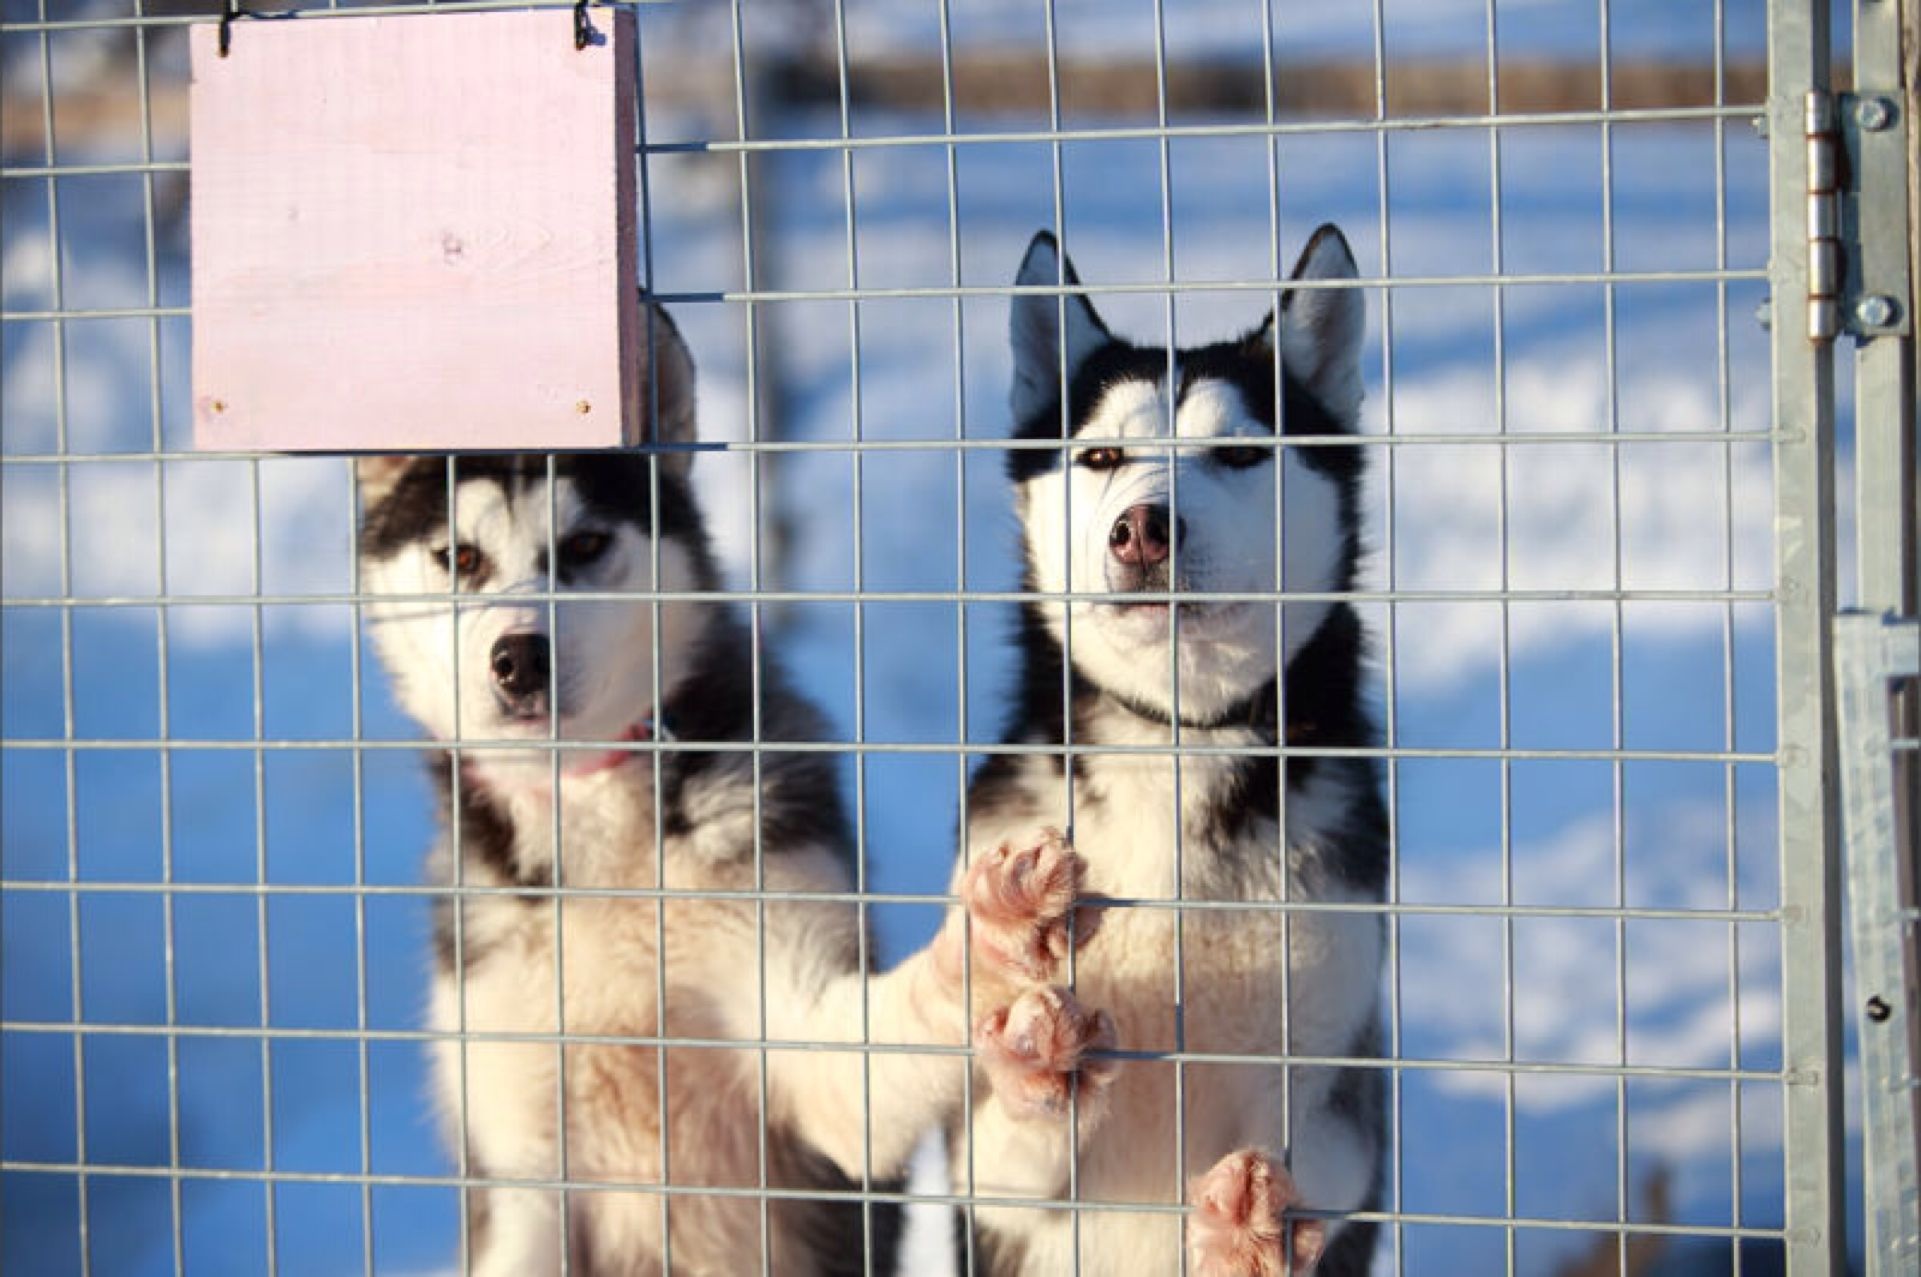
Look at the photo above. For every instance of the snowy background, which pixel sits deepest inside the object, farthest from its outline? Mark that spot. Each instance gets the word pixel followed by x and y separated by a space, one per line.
pixel 1694 676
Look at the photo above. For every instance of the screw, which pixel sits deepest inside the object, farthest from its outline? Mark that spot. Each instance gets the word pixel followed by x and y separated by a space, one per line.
pixel 218 405
pixel 583 407
pixel 1875 311
pixel 1878 1009
pixel 1764 313
pixel 1873 114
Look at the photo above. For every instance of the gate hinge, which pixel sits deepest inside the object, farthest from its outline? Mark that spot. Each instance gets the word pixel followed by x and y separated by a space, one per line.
pixel 1824 217
pixel 1857 216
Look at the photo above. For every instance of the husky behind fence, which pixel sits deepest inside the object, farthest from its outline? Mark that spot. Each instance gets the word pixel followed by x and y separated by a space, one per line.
pixel 622 892
pixel 1319 752
pixel 1134 523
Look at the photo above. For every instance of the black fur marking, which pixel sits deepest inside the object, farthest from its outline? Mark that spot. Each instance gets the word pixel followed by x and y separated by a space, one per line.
pixel 487 856
pixel 1246 363
pixel 993 1252
pixel 800 796
pixel 614 486
pixel 835 1233
pixel 1325 705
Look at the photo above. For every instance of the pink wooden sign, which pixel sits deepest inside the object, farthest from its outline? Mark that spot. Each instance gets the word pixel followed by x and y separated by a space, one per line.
pixel 415 232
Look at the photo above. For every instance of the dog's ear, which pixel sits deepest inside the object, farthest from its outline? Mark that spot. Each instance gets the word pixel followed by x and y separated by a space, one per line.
pixel 666 386
pixel 1322 328
pixel 1035 327
pixel 377 477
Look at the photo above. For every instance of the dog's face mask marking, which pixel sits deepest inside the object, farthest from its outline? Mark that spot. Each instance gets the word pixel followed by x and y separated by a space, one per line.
pixel 508 654
pixel 476 577
pixel 1160 501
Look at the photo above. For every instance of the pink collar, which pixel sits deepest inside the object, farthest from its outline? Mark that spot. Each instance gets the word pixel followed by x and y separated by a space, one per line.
pixel 647 728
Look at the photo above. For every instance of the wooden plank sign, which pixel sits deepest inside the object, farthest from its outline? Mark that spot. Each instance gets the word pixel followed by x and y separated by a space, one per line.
pixel 415 232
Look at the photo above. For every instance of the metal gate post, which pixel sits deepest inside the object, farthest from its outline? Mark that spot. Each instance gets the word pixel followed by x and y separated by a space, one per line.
pixel 1803 368
pixel 1874 653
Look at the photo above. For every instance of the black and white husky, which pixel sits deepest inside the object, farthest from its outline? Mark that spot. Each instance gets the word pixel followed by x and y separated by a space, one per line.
pixel 610 893
pixel 1119 511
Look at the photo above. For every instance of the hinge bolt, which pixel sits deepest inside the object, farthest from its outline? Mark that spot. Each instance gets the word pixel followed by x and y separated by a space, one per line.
pixel 1875 311
pixel 1873 114
pixel 1764 312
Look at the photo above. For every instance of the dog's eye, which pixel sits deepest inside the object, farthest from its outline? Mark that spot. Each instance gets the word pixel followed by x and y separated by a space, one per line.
pixel 463 558
pixel 1102 458
pixel 1240 458
pixel 582 548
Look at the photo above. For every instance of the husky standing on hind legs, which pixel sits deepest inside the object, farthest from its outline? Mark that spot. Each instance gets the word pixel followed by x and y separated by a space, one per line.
pixel 473 569
pixel 1125 513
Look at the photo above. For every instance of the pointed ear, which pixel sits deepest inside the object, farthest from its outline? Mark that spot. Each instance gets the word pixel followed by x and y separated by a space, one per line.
pixel 377 477
pixel 1035 327
pixel 1322 329
pixel 666 386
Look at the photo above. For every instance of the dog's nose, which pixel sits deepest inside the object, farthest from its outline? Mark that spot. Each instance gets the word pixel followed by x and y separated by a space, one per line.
pixel 1140 536
pixel 520 664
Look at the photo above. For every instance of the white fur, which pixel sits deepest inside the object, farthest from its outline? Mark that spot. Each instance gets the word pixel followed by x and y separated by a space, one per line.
pixel 603 651
pixel 720 963
pixel 637 967
pixel 1230 987
pixel 1229 545
pixel 1246 982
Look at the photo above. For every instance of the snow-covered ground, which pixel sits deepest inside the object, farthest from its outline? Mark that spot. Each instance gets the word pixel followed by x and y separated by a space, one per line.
pixel 1579 516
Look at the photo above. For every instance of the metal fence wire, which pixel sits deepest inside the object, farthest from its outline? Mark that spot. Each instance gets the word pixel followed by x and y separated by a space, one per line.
pixel 1600 521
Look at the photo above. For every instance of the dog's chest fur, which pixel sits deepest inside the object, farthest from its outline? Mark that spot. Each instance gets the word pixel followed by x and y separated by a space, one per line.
pixel 613 973
pixel 1253 981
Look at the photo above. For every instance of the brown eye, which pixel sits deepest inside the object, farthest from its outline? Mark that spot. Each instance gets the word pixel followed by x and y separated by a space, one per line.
pixel 463 559
pixel 1240 458
pixel 582 548
pixel 1103 458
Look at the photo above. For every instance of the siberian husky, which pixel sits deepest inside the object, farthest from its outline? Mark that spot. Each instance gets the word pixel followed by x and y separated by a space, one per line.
pixel 1125 521
pixel 607 890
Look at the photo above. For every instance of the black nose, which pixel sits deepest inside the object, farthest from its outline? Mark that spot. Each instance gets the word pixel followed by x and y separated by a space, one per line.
pixel 521 665
pixel 1140 536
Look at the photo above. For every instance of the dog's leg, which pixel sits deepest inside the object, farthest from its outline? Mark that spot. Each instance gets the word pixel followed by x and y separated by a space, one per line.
pixel 868 1115
pixel 1034 1056
pixel 1235 1226
pixel 1334 1160
pixel 523 1234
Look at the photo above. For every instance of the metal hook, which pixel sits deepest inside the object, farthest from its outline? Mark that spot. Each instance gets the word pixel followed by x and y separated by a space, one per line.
pixel 583 29
pixel 229 12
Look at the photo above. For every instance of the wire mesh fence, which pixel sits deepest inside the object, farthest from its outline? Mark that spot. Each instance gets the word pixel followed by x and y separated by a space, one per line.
pixel 1596 512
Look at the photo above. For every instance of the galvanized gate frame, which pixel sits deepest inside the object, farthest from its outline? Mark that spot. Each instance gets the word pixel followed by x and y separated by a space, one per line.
pixel 1814 1145
pixel 1842 262
pixel 1871 652
pixel 1877 649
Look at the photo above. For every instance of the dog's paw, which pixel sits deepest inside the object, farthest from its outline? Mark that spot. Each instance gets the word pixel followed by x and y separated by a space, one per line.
pixel 1034 1050
pixel 1020 900
pixel 1235 1226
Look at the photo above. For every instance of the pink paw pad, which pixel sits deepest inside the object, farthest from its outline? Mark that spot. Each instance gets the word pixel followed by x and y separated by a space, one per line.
pixel 1235 1226
pixel 1034 1050
pixel 1019 901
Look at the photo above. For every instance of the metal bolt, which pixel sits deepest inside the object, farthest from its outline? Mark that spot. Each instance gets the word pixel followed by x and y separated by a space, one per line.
pixel 1873 114
pixel 1878 1009
pixel 1764 313
pixel 1875 311
pixel 583 407
pixel 218 405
